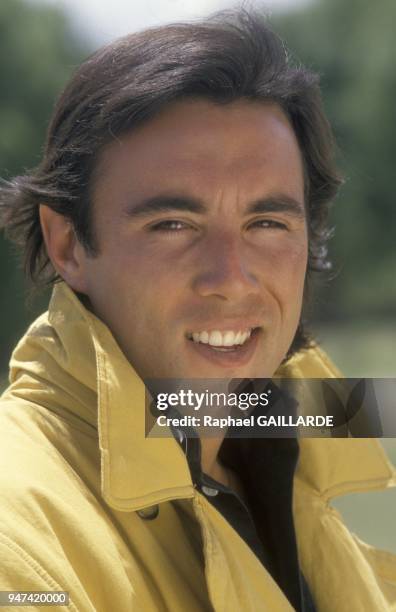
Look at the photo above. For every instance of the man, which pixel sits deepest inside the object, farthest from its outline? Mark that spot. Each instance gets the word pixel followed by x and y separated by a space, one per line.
pixel 179 209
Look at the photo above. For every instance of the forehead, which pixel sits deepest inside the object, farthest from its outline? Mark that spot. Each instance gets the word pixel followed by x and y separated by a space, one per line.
pixel 197 144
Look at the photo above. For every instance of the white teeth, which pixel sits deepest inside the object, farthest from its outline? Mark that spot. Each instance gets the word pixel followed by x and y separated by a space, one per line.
pixel 229 338
pixel 217 338
pixel 243 338
pixel 203 337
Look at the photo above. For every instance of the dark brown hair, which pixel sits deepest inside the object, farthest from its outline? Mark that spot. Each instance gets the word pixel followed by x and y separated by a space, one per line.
pixel 229 56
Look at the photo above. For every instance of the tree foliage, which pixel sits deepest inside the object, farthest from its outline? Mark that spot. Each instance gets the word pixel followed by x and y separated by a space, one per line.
pixel 38 51
pixel 352 46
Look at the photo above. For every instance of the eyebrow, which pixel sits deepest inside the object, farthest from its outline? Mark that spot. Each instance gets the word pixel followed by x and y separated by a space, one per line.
pixel 277 203
pixel 166 203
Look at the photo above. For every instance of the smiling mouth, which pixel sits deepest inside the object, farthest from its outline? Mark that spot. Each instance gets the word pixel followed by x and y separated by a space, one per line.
pixel 224 341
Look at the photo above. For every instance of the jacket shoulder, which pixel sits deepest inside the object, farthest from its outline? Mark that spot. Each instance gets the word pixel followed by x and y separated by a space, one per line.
pixel 45 503
pixel 21 572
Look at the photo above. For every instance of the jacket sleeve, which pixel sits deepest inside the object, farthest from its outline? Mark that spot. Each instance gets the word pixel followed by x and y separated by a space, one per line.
pixel 20 572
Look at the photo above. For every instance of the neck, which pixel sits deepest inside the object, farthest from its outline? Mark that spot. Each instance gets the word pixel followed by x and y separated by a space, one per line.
pixel 212 466
pixel 209 459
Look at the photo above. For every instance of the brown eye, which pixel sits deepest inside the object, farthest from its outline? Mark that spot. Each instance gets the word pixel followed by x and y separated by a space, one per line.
pixel 170 225
pixel 268 224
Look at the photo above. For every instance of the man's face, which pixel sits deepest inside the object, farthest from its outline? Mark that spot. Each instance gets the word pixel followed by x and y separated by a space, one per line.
pixel 200 222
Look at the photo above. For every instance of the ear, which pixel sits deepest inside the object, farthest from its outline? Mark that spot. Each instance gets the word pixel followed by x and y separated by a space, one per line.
pixel 66 253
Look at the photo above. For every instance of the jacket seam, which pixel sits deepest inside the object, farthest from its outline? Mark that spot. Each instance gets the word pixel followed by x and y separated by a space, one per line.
pixel 51 413
pixel 35 566
pixel 208 547
pixel 354 486
pixel 347 487
pixel 144 503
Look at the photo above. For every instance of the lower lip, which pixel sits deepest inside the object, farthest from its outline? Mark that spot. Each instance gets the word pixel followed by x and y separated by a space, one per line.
pixel 235 357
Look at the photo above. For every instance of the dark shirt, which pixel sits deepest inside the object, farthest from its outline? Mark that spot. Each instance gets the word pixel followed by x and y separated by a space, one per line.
pixel 266 468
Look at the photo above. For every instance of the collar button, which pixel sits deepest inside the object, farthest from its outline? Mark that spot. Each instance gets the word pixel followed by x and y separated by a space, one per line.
pixel 149 513
pixel 209 491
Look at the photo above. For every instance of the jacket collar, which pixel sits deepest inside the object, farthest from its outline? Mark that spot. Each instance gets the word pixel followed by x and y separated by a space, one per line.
pixel 79 370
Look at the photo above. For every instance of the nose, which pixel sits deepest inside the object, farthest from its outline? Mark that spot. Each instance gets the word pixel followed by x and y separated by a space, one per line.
pixel 224 269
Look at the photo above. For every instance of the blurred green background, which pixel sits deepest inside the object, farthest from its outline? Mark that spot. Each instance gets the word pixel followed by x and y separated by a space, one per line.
pixel 352 46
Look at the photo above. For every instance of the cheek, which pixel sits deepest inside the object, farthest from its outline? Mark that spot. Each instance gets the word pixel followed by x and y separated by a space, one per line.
pixel 148 283
pixel 285 262
pixel 296 260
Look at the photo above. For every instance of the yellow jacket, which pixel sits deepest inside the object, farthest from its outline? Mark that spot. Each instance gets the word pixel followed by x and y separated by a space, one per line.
pixel 77 473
